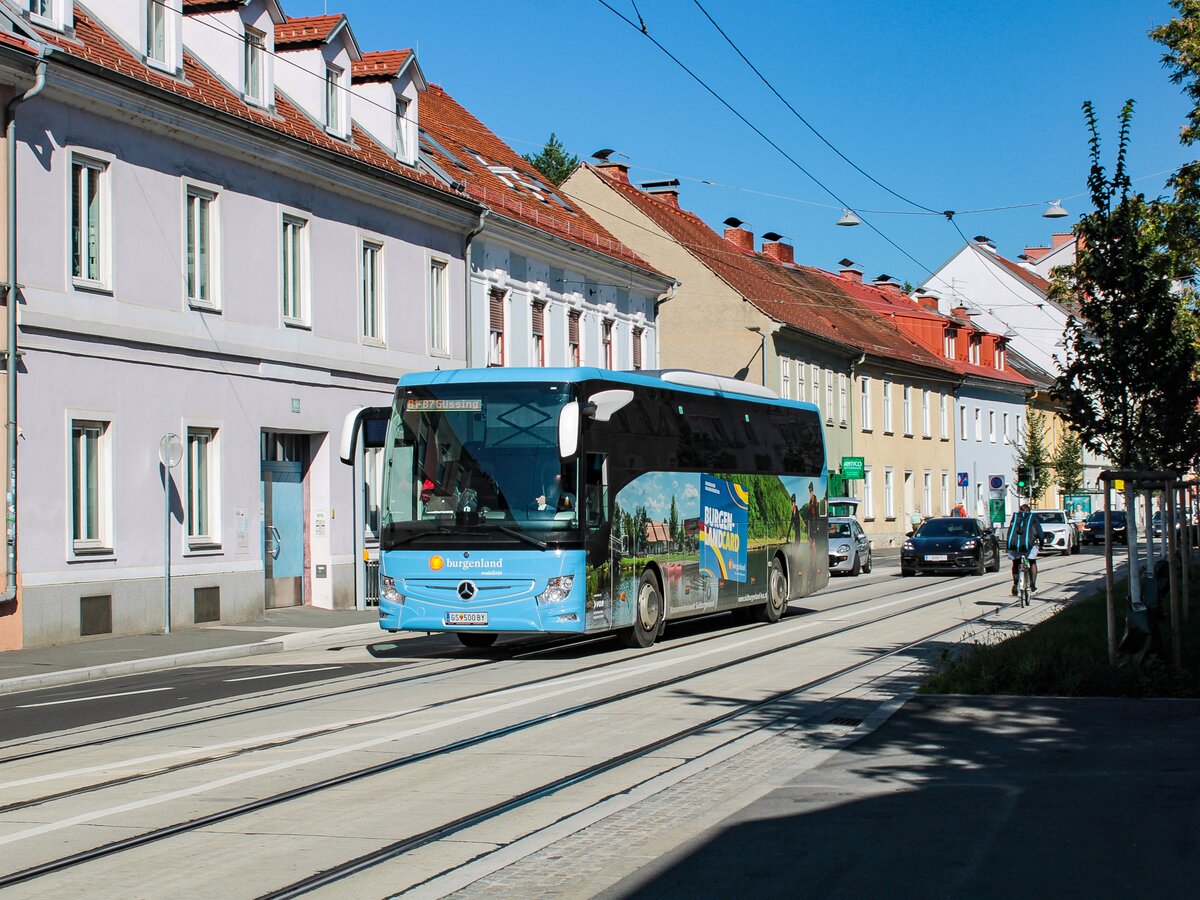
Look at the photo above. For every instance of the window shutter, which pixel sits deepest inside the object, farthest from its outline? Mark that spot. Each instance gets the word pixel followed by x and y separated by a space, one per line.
pixel 539 318
pixel 573 328
pixel 496 298
pixel 637 348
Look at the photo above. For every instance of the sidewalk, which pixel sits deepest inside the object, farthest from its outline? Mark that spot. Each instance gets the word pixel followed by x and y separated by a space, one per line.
pixel 278 630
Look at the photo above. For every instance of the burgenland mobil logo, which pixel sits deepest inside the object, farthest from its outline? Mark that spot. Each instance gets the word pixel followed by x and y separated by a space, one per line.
pixel 437 563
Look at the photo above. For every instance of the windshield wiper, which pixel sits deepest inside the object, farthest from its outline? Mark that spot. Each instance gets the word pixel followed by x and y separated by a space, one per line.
pixel 406 538
pixel 522 536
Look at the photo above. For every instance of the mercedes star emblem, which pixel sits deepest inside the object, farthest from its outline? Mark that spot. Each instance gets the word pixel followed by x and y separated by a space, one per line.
pixel 466 590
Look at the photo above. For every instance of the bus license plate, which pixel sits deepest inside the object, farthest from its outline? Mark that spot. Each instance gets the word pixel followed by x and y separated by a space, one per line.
pixel 466 618
pixel 935 557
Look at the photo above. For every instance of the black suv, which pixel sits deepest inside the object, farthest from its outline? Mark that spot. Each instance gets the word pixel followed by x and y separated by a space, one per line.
pixel 1093 529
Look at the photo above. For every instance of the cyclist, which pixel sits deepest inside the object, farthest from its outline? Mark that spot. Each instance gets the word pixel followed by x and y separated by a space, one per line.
pixel 1024 540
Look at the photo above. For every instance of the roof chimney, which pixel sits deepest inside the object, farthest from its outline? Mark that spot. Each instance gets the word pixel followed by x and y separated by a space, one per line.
pixel 617 171
pixel 782 253
pixel 850 270
pixel 666 191
pixel 927 299
pixel 1033 254
pixel 985 243
pixel 960 312
pixel 740 238
pixel 889 284
pixel 1061 237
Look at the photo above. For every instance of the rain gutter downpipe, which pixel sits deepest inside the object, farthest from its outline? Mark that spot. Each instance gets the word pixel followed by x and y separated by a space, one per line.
pixel 10 299
pixel 471 235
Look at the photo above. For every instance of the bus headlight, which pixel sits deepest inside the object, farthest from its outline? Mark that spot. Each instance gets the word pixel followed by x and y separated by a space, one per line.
pixel 388 592
pixel 557 589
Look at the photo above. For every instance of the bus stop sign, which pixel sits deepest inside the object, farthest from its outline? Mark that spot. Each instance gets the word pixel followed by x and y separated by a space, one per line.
pixel 853 468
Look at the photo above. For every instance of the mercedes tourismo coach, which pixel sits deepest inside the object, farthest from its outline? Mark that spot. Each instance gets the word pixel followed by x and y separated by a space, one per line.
pixel 582 500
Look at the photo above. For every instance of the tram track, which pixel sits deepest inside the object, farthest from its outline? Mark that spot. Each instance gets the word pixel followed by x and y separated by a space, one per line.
pixel 193 824
pixel 572 642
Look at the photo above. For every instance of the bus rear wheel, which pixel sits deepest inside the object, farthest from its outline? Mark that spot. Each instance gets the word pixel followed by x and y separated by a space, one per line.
pixel 647 614
pixel 478 640
pixel 777 594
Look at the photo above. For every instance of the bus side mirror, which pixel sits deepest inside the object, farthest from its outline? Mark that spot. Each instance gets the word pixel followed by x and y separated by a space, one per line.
pixel 604 405
pixel 568 430
pixel 369 421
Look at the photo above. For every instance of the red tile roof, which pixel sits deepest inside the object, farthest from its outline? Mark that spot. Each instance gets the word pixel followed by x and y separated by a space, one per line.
pixel 95 45
pixel 463 135
pixel 11 40
pixel 806 299
pixel 909 316
pixel 379 64
pixel 305 31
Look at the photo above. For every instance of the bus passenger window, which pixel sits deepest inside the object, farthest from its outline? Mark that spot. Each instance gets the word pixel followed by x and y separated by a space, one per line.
pixel 596 479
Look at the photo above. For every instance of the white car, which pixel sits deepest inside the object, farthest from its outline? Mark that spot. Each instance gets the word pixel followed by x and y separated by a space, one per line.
pixel 1061 535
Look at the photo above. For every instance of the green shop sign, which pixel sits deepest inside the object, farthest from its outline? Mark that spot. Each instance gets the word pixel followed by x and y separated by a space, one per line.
pixel 853 468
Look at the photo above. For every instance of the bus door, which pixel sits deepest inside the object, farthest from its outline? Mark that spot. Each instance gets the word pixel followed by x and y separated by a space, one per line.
pixel 603 549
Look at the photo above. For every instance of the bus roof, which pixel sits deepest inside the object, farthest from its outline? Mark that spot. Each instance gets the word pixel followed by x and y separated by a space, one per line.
pixel 671 379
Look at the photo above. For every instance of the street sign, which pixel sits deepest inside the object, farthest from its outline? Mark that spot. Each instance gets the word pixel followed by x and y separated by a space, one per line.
pixel 963 480
pixel 853 468
pixel 996 511
pixel 1118 484
pixel 996 482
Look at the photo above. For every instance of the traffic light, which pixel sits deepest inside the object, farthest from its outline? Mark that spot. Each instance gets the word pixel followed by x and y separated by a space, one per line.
pixel 1023 481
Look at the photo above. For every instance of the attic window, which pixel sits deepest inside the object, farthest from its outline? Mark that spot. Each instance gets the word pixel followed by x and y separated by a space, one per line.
pixel 974 350
pixel 402 128
pixel 998 357
pixel 948 342
pixel 254 65
pixel 47 12
pixel 432 145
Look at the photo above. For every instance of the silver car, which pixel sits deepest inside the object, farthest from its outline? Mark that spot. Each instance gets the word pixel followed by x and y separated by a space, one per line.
pixel 1061 534
pixel 849 548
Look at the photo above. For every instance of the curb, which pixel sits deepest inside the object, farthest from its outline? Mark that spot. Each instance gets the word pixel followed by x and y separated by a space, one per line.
pixel 295 641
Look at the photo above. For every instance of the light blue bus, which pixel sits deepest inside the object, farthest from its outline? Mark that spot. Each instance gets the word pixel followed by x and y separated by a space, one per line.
pixel 584 501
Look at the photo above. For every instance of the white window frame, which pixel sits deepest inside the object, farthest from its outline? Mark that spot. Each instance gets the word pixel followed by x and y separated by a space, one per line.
pixel 887 407
pixel 943 415
pixel 608 345
pixel 927 493
pixel 801 381
pixel 172 22
pixel 889 493
pixel 906 406
pixel 53 15
pixel 868 494
pixel 973 350
pixel 435 305
pixel 254 46
pixel 948 345
pixel 992 425
pixel 843 399
pixel 1017 435
pixel 371 310
pixel 99 166
pixel 211 193
pixel 297 313
pixel 926 419
pixel 978 425
pixel 334 101
pixel 102 544
pixel 212 540
pixel 785 378
pixel 945 493
pixel 814 385
pixel 829 396
pixel 538 342
pixel 1007 439
pixel 962 421
pixel 404 129
pixel 864 398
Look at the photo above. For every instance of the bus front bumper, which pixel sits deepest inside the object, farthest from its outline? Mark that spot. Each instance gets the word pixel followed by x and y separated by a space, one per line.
pixel 528 613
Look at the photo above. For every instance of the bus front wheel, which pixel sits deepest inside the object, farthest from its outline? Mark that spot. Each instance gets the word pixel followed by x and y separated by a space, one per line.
pixel 647 615
pixel 777 594
pixel 478 640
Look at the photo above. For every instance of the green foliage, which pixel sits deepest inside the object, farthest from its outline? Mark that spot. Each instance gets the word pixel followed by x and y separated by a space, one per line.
pixel 1068 463
pixel 1032 454
pixel 1128 382
pixel 674 523
pixel 553 161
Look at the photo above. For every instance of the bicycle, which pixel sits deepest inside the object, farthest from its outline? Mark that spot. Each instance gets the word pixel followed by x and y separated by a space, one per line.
pixel 1023 582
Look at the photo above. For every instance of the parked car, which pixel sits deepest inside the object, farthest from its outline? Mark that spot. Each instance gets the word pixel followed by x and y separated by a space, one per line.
pixel 849 548
pixel 1061 535
pixel 951 543
pixel 1093 529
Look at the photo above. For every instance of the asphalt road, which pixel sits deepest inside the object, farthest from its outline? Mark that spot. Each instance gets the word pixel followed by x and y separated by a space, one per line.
pixel 542 766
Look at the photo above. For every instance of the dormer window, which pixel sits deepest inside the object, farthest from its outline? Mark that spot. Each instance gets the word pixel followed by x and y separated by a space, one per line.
pixel 974 351
pixel 333 100
pixel 402 124
pixel 948 343
pixel 162 34
pixel 255 67
pixel 998 357
pixel 47 12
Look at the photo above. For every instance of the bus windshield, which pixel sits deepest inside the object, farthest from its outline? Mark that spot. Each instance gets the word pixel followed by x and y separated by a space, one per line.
pixel 480 461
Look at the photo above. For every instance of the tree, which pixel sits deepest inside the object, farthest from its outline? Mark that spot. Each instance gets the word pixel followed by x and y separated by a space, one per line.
pixel 1033 455
pixel 1129 380
pixel 553 161
pixel 674 527
pixel 1068 463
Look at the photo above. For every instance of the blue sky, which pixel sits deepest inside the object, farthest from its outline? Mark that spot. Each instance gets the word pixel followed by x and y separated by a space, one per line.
pixel 956 105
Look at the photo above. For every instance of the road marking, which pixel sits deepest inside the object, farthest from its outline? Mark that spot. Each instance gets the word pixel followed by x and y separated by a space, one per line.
pixel 281 674
pixel 94 697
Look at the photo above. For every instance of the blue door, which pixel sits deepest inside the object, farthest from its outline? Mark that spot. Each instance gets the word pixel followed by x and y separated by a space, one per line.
pixel 283 531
